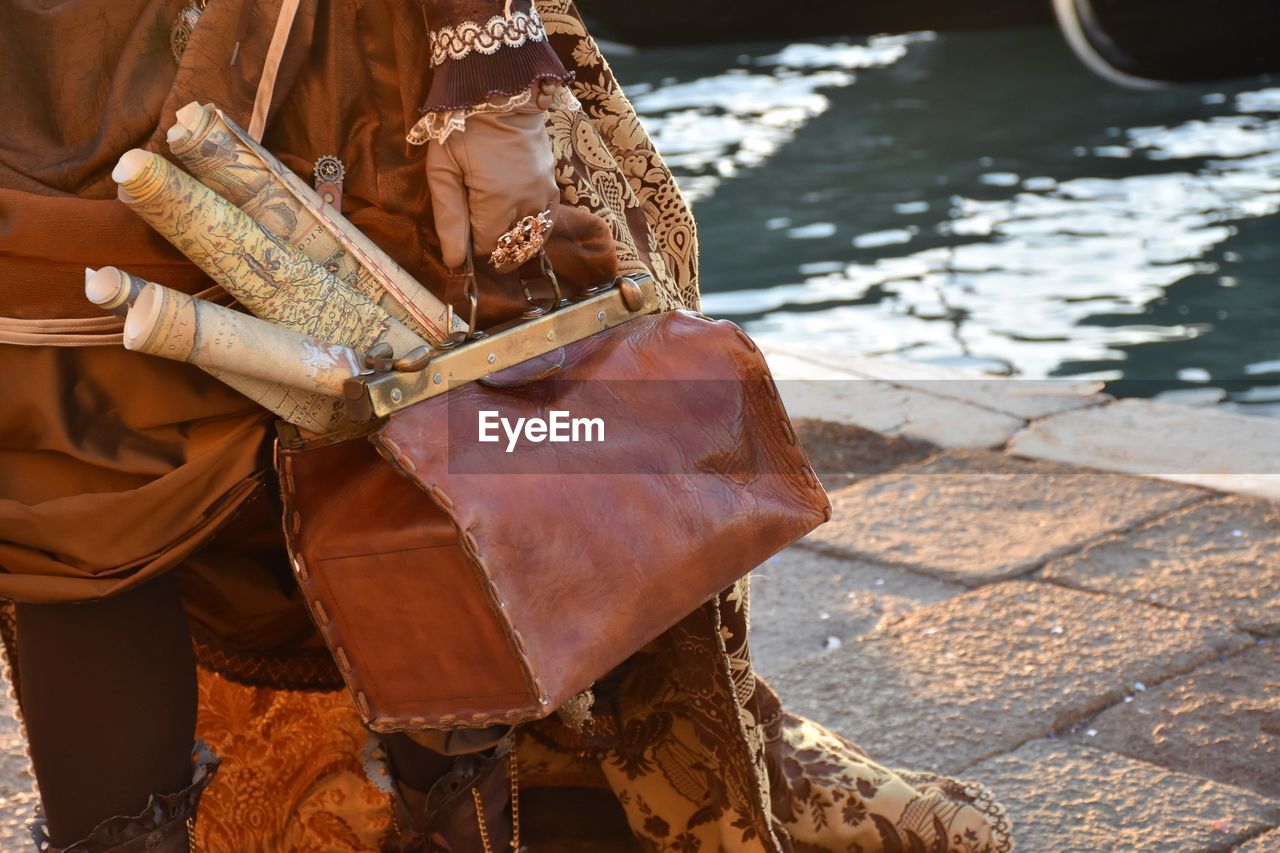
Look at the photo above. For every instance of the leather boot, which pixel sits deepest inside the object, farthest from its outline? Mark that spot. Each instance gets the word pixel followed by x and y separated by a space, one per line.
pixel 446 819
pixel 165 826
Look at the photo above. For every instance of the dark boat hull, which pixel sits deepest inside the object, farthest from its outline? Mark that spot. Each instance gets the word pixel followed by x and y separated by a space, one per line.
pixel 659 22
pixel 1176 41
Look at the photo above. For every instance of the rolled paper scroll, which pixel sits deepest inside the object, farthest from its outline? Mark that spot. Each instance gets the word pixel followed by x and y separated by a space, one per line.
pixel 171 324
pixel 113 290
pixel 269 278
pixel 226 159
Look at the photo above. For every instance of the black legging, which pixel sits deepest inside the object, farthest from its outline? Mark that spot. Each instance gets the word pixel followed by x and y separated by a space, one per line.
pixel 109 697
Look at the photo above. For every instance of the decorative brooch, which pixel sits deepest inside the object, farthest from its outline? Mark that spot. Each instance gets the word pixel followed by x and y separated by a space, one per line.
pixel 329 173
pixel 524 241
pixel 329 168
pixel 183 25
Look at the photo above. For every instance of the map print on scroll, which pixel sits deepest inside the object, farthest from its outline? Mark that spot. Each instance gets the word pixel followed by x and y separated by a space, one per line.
pixel 266 275
pixel 171 324
pixel 218 152
pixel 152 327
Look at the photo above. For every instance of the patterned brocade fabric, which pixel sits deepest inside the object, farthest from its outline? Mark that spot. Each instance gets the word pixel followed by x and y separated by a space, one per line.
pixel 607 164
pixel 696 749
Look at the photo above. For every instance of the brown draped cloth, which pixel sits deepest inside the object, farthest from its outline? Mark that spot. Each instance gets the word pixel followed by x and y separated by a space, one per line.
pixel 116 467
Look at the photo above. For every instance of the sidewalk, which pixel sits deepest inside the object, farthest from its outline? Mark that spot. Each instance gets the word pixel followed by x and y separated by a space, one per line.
pixel 1020 586
pixel 998 596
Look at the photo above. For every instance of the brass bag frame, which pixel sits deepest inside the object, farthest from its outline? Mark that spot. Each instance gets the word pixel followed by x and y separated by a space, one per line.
pixel 382 392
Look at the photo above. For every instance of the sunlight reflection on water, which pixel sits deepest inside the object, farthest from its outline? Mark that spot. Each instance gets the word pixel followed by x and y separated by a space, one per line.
pixel 978 199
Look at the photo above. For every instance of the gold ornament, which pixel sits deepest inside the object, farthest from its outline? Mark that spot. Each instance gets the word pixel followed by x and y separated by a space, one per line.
pixel 183 26
pixel 525 240
pixel 329 169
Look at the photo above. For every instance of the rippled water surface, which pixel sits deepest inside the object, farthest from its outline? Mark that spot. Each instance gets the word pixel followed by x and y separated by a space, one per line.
pixel 980 199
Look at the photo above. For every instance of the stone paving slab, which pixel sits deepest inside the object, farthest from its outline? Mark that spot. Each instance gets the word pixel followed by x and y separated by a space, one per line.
pixel 1221 721
pixel 803 603
pixel 1022 398
pixel 976 516
pixel 981 673
pixel 842 454
pixel 814 391
pixel 1205 447
pixel 898 411
pixel 1221 557
pixel 1065 798
pixel 1268 842
pixel 17 786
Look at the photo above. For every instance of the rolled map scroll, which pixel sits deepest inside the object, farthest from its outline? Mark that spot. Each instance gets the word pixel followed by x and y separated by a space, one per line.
pixel 171 324
pixel 235 166
pixel 112 290
pixel 269 278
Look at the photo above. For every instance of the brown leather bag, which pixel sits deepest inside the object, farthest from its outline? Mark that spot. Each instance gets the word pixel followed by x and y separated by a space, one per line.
pixel 459 585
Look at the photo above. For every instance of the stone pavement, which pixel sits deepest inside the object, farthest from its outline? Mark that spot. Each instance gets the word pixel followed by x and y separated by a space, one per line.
pixel 1093 632
pixel 1010 592
pixel 1096 648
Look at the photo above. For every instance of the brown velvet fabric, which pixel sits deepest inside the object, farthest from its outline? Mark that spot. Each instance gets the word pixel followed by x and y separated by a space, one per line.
pixel 115 466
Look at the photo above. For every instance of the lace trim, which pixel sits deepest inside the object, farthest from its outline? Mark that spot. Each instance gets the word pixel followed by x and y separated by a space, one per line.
pixel 438 125
pixel 512 31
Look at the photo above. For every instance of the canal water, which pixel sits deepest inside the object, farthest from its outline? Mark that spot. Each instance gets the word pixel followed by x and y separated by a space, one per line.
pixel 980 199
